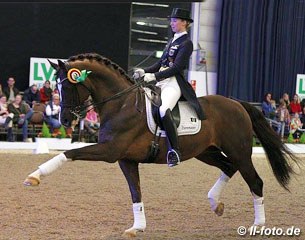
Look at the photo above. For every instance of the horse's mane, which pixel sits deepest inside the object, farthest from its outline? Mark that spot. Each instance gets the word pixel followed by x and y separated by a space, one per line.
pixel 107 62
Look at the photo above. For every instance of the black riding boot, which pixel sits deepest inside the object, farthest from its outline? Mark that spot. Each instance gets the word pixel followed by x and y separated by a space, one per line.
pixel 173 154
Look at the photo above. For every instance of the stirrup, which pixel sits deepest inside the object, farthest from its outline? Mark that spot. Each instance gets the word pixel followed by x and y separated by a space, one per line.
pixel 173 158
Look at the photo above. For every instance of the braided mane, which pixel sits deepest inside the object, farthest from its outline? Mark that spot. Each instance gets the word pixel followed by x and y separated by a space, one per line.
pixel 101 59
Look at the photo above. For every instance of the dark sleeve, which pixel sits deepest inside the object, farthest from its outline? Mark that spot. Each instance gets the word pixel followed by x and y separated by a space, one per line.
pixel 26 95
pixel 12 109
pixel 153 68
pixel 37 97
pixel 6 93
pixel 16 91
pixel 180 63
pixel 156 67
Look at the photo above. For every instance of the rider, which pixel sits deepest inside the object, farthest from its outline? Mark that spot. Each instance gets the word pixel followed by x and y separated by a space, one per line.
pixel 168 72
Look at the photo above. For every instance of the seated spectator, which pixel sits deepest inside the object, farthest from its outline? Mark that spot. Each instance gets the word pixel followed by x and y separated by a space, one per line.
pixel 6 118
pixel 296 126
pixel 22 114
pixel 92 121
pixel 285 97
pixel 295 106
pixel 10 91
pixel 284 116
pixel 269 112
pixel 31 95
pixel 52 113
pixel 302 103
pixel 46 92
pixel 302 118
pixel 267 108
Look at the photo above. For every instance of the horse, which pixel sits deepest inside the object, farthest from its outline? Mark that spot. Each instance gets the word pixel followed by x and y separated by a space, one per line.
pixel 224 140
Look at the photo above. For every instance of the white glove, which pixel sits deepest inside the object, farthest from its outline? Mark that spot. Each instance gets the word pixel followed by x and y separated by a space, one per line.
pixel 138 73
pixel 148 77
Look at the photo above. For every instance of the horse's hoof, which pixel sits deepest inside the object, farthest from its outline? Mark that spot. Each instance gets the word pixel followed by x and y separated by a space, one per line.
pixel 219 209
pixel 31 181
pixel 132 232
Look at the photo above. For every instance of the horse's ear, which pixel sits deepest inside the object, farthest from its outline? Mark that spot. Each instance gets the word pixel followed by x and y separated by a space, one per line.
pixel 61 64
pixel 53 65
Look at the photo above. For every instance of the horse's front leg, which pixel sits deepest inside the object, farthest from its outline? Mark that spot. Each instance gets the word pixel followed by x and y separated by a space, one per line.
pixel 131 173
pixel 96 152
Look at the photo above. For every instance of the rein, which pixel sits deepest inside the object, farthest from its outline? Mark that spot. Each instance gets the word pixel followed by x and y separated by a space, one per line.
pixel 138 84
pixel 80 110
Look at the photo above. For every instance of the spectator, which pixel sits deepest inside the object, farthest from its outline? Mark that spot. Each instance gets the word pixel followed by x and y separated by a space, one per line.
pixel 22 114
pixel 46 92
pixel 296 126
pixel 1 92
pixel 302 118
pixel 284 117
pixel 302 103
pixel 10 91
pixel 295 106
pixel 285 97
pixel 92 121
pixel 269 112
pixel 6 118
pixel 52 113
pixel 267 108
pixel 31 95
pixel 273 105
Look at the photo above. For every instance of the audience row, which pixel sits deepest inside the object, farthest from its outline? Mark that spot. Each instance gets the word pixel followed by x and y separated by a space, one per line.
pixel 18 110
pixel 287 115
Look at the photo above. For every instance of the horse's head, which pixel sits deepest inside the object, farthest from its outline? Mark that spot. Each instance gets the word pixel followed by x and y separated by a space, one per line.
pixel 73 92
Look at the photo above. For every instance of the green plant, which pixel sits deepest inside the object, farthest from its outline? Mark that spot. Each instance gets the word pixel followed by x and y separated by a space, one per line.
pixel 290 138
pixel 57 133
pixel 45 131
pixel 62 132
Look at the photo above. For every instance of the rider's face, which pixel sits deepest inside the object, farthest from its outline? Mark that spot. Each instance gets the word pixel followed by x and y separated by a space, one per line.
pixel 178 25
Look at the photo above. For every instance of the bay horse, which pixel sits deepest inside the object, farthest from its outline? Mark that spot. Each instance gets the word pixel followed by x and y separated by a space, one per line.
pixel 224 141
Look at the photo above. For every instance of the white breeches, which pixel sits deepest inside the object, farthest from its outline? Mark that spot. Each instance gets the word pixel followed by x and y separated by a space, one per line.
pixel 170 94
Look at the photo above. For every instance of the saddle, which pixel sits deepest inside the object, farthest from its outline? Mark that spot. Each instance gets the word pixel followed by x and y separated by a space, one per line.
pixel 187 123
pixel 156 102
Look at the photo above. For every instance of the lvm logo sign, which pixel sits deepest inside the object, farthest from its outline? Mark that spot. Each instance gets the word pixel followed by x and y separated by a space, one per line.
pixel 300 90
pixel 41 70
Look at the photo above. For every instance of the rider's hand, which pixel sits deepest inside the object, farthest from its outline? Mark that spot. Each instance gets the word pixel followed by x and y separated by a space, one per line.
pixel 148 77
pixel 138 73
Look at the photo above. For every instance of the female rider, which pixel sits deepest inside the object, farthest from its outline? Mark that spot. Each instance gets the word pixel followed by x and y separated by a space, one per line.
pixel 168 72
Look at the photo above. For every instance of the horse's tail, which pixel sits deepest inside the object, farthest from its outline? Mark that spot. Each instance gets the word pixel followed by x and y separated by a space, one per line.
pixel 275 149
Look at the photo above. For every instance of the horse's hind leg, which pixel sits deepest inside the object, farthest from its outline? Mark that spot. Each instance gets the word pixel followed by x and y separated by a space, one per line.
pixel 255 184
pixel 215 158
pixel 131 173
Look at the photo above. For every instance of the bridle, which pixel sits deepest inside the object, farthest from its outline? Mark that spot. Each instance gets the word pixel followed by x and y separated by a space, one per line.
pixel 80 110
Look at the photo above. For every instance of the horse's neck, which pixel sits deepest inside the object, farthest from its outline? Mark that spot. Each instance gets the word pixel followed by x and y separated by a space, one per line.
pixel 106 86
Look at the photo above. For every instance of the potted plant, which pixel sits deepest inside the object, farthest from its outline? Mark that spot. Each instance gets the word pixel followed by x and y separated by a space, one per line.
pixel 56 140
